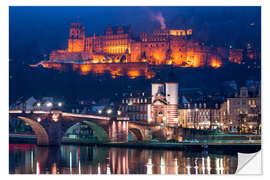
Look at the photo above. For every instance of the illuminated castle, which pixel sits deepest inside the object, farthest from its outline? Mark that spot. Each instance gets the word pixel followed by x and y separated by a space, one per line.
pixel 167 46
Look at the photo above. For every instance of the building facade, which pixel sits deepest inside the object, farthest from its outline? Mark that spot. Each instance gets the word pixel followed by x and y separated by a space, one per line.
pixel 164 109
pixel 242 113
pixel 136 106
pixel 200 115
pixel 239 114
pixel 166 46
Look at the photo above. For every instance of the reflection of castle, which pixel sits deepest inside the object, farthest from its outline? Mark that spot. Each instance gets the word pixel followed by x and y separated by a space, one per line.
pixel 160 47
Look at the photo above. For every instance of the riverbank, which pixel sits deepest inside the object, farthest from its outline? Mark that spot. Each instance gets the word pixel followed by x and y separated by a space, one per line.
pixel 244 146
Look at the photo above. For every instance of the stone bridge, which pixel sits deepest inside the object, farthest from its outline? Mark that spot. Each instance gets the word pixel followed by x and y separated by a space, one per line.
pixel 50 127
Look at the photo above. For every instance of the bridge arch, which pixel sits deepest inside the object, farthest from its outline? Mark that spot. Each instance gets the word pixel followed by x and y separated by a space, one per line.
pixel 42 136
pixel 101 134
pixel 137 132
pixel 14 122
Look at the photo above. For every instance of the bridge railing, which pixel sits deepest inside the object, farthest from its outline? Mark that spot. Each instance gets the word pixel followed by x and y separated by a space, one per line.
pixel 59 112
pixel 15 111
pixel 85 116
pixel 34 112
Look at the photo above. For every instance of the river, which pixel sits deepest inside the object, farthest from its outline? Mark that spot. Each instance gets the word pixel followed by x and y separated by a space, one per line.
pixel 71 159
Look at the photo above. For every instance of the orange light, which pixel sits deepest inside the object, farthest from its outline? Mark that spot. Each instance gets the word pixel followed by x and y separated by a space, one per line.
pixel 75 45
pixel 133 73
pixel 55 117
pixel 85 69
pixel 215 63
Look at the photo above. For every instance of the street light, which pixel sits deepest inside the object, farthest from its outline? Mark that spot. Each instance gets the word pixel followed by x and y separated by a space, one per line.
pixel 38 104
pixel 99 111
pixel 49 104
pixel 109 111
pixel 60 104
pixel 119 113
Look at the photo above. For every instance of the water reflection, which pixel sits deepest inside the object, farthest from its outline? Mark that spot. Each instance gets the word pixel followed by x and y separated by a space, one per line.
pixel 30 159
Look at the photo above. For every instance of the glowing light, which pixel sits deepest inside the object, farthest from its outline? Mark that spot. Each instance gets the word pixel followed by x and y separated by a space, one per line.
pixel 54 168
pixel 149 166
pixel 99 171
pixel 134 73
pixel 108 169
pixel 79 167
pixel 60 104
pixel 203 165
pixel 85 69
pixel 85 116
pixel 38 168
pixel 38 104
pixel 55 117
pixel 109 111
pixel 15 111
pixel 99 111
pixel 70 162
pixel 119 113
pixel 215 63
pixel 39 119
pixel 170 62
pixel 208 161
pixel 49 104
pixel 162 165
pixel 159 56
pixel 75 45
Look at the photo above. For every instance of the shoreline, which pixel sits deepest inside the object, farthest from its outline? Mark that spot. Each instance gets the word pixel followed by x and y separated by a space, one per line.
pixel 243 147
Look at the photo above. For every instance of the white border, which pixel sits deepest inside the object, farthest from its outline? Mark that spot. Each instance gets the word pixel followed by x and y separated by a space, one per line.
pixel 4 66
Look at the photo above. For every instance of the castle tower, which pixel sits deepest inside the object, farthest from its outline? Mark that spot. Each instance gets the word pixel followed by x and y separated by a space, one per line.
pixel 76 38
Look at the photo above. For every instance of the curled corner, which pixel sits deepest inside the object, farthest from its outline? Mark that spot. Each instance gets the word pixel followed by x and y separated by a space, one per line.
pixel 249 163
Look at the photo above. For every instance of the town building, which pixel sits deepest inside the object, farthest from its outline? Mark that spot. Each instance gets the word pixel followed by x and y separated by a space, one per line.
pixel 242 113
pixel 200 115
pixel 136 106
pixel 33 104
pixel 160 107
pixel 239 114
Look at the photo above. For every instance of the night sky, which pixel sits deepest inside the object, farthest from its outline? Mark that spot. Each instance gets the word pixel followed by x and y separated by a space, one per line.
pixel 35 31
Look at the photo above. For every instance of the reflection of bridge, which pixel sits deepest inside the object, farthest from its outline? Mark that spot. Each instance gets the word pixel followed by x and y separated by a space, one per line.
pixel 50 126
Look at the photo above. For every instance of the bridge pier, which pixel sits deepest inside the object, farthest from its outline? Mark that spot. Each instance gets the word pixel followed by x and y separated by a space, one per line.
pixel 118 130
pixel 54 131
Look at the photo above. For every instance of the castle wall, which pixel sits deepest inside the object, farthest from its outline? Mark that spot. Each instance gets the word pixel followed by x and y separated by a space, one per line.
pixel 179 49
pixel 136 52
pixel 155 52
pixel 160 47
pixel 236 55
